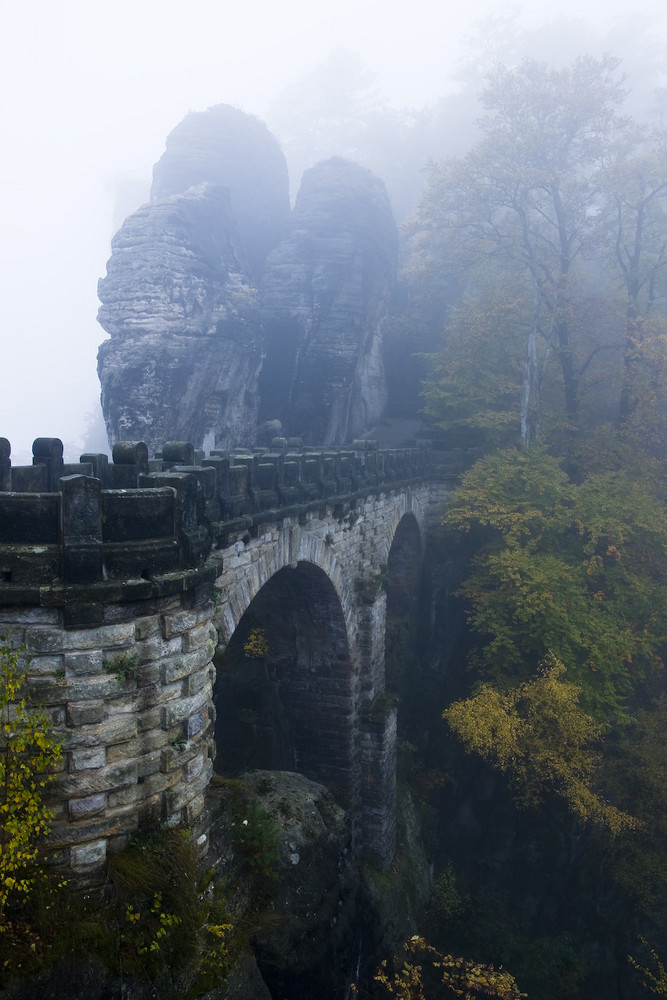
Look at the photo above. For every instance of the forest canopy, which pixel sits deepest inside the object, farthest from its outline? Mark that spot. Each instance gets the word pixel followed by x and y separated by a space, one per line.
pixel 538 260
pixel 554 226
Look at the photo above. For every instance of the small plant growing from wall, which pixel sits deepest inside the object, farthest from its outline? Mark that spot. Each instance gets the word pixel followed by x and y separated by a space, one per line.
pixel 124 667
pixel 256 645
pixel 29 749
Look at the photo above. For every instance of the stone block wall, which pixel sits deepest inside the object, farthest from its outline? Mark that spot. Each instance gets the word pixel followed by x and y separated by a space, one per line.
pixel 132 698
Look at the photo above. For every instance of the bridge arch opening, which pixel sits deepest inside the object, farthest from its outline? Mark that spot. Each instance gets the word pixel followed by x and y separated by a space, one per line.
pixel 404 567
pixel 285 688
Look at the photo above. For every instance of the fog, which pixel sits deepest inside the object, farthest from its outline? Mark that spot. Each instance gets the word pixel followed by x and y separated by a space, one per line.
pixel 90 92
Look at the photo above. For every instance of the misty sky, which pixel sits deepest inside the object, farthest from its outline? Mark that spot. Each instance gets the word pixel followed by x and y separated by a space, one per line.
pixel 90 91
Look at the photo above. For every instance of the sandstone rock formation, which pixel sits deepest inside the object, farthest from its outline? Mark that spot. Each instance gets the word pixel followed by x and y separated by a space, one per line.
pixel 225 146
pixel 326 290
pixel 179 299
pixel 192 354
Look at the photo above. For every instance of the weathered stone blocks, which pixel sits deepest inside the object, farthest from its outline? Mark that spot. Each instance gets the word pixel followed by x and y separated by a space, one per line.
pixel 124 693
pixel 88 855
pixel 82 664
pixel 89 805
pixel 85 760
pixel 52 640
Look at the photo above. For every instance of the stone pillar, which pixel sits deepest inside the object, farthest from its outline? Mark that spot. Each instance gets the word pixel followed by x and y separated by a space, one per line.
pixel 193 534
pixel 220 463
pixel 49 453
pixel 178 453
pixel 378 784
pixel 236 501
pixel 130 460
pixel 100 464
pixel 372 621
pixel 5 466
pixel 81 529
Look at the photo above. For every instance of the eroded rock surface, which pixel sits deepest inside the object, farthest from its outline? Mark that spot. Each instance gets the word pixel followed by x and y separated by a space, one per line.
pixel 179 299
pixel 185 347
pixel 325 296
pixel 306 935
pixel 223 310
pixel 227 147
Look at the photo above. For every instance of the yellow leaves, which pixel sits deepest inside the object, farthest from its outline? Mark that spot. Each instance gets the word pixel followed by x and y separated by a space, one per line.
pixel 461 977
pixel 656 981
pixel 28 748
pixel 485 726
pixel 155 927
pixel 257 645
pixel 219 930
pixel 539 736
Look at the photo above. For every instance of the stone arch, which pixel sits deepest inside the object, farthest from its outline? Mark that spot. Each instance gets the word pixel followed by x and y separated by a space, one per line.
pixel 404 565
pixel 286 689
pixel 240 586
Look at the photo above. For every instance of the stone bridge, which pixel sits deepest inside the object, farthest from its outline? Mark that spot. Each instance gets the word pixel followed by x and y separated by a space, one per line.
pixel 226 611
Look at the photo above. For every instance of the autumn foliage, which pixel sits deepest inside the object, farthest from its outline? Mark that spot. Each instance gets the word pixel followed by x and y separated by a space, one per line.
pixel 29 749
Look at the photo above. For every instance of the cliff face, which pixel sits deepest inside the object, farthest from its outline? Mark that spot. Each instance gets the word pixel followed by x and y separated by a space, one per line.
pixel 227 147
pixel 180 300
pixel 224 310
pixel 185 347
pixel 325 294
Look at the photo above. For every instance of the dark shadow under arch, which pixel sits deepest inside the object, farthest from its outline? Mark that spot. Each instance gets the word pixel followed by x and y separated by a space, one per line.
pixel 404 567
pixel 285 688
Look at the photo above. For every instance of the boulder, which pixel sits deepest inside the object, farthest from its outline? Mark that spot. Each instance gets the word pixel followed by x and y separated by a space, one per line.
pixel 305 934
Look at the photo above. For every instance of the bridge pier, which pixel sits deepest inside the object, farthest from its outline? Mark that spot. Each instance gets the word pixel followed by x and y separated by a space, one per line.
pixel 378 784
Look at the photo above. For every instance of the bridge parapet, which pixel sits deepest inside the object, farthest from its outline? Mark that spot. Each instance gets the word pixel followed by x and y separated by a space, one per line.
pixel 138 520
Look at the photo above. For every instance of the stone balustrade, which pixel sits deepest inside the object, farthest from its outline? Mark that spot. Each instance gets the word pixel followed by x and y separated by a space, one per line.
pixel 135 519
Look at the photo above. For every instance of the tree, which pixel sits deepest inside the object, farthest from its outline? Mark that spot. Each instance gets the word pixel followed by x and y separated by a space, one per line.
pixel 656 981
pixel 538 735
pixel 459 977
pixel 575 569
pixel 526 197
pixel 29 749
pixel 638 772
pixel 635 179
pixel 473 383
